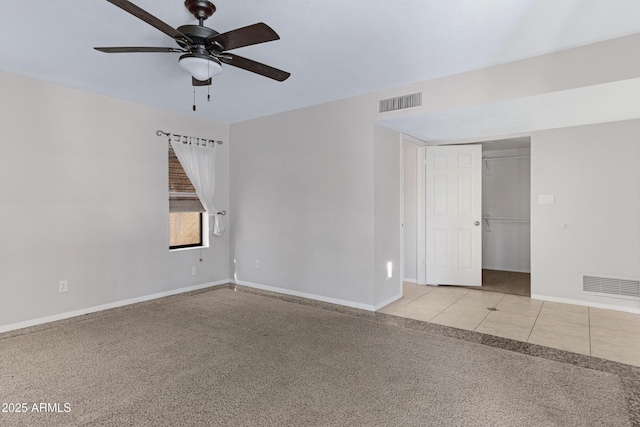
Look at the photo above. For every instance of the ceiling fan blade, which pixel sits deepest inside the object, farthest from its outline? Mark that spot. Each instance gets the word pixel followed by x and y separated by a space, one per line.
pixel 150 19
pixel 196 82
pixel 245 36
pixel 138 49
pixel 255 67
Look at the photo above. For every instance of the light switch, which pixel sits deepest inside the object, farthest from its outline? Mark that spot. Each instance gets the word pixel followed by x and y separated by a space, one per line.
pixel 546 199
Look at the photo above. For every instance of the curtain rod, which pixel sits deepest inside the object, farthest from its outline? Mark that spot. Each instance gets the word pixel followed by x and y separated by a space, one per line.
pixel 189 139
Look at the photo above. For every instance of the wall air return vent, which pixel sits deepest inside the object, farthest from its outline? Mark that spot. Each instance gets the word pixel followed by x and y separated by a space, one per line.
pixel 611 287
pixel 400 102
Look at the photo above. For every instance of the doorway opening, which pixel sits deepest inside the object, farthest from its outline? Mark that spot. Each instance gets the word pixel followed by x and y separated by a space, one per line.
pixel 506 207
pixel 504 219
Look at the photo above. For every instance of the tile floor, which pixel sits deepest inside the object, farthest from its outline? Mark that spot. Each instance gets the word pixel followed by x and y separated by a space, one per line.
pixel 607 334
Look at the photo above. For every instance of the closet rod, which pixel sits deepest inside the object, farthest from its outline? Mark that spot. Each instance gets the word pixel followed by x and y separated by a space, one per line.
pixel 506 157
pixel 506 218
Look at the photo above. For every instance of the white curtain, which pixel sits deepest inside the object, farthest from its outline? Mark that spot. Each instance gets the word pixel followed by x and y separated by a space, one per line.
pixel 199 163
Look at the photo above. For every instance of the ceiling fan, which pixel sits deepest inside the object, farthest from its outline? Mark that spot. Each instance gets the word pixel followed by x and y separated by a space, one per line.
pixel 203 49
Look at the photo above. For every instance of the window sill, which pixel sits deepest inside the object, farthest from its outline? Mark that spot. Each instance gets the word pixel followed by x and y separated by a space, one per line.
pixel 188 249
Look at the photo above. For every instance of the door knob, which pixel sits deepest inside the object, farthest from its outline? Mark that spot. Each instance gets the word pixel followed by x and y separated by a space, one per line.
pixel 476 223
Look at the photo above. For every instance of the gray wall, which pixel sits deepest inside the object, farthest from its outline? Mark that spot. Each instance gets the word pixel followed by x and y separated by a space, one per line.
pixel 302 200
pixel 316 199
pixel 84 199
pixel 593 227
pixel 387 187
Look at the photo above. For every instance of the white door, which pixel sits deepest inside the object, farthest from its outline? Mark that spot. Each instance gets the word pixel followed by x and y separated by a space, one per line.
pixel 454 215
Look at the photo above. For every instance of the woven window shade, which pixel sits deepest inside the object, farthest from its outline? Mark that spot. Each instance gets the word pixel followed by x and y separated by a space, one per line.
pixel 182 195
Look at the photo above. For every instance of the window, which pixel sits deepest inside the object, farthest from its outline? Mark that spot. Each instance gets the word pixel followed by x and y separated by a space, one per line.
pixel 185 209
pixel 185 229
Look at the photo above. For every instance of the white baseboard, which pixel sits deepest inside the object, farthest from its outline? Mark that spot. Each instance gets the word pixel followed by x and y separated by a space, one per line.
pixel 83 311
pixel 410 280
pixel 635 310
pixel 387 302
pixel 305 295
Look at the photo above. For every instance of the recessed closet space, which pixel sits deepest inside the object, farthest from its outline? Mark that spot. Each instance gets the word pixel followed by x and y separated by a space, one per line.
pixel 506 226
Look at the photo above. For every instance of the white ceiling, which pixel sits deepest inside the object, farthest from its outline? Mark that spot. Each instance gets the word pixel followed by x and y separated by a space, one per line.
pixel 333 48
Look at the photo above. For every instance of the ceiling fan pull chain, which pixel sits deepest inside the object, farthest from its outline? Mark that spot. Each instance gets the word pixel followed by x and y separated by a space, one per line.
pixel 194 98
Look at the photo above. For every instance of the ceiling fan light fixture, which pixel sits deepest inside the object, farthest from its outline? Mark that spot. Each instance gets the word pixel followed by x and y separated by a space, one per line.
pixel 201 67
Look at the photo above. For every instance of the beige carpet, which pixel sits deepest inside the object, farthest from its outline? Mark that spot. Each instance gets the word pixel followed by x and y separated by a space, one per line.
pixel 226 358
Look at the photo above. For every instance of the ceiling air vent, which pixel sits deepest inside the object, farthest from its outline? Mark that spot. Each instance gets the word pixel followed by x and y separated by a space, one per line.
pixel 400 102
pixel 608 286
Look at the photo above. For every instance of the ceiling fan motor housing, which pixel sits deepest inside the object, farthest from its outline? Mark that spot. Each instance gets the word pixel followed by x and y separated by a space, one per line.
pixel 199 35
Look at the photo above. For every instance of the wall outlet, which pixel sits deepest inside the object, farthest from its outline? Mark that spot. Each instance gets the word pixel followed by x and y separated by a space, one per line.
pixel 193 271
pixel 63 286
pixel 258 264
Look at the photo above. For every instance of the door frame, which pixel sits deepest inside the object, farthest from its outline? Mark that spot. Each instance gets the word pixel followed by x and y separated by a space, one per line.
pixel 420 214
pixel 421 196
